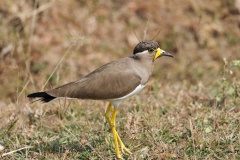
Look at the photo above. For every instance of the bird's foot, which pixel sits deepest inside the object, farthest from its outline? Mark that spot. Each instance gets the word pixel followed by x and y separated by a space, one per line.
pixel 122 146
pixel 124 149
pixel 119 157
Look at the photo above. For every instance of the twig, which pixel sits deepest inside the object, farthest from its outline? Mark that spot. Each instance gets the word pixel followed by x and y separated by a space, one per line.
pixel 29 48
pixel 136 35
pixel 145 31
pixel 66 53
pixel 157 33
pixel 11 152
pixel 23 90
pixel 36 11
pixel 57 65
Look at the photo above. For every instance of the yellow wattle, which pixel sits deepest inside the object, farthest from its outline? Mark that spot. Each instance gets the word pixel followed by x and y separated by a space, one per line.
pixel 158 53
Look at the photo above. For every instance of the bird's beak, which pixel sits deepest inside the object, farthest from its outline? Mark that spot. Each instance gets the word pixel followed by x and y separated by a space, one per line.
pixel 160 52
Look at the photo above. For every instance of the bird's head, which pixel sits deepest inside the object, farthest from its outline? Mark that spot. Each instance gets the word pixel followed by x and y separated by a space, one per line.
pixel 149 49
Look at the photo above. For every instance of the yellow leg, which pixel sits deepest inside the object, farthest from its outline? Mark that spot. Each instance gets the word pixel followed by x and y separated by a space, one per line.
pixel 107 114
pixel 115 134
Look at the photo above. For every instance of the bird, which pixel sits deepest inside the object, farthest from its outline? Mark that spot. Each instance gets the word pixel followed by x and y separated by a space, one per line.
pixel 112 82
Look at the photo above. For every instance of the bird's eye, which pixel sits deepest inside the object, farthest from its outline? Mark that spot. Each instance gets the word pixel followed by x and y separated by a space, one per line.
pixel 151 50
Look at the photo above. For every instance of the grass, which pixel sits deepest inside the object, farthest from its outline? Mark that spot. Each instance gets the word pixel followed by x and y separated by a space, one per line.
pixel 189 110
pixel 168 129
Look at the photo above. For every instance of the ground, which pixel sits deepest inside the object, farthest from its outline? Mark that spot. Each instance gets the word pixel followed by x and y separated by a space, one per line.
pixel 189 110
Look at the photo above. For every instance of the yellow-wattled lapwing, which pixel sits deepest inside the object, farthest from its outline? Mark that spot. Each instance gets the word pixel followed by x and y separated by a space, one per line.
pixel 113 82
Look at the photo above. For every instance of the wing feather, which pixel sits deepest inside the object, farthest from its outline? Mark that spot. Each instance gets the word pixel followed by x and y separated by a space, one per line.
pixel 113 80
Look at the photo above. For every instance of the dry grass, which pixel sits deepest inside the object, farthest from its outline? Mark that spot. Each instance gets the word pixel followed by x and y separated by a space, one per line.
pixel 189 110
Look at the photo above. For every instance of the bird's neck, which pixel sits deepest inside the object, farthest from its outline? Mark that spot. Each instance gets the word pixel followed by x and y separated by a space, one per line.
pixel 144 69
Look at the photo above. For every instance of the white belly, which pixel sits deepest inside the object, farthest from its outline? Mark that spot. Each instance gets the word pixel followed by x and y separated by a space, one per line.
pixel 117 101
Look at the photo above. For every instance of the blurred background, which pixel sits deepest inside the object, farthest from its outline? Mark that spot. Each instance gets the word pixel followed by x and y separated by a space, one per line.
pixel 33 41
pixel 46 43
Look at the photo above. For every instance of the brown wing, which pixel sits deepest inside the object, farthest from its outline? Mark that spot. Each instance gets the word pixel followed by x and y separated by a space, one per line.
pixel 113 80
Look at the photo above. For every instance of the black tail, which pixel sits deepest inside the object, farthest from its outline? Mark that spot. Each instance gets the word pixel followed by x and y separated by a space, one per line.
pixel 44 97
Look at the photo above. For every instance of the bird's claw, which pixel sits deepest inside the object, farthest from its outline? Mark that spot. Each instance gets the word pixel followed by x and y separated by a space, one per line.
pixel 125 149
